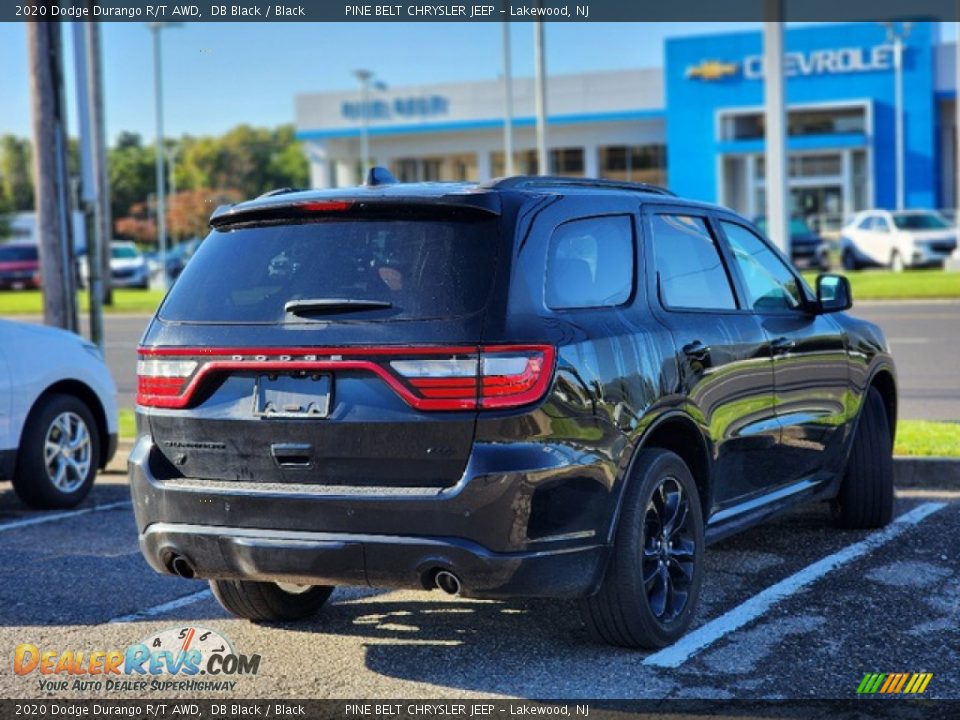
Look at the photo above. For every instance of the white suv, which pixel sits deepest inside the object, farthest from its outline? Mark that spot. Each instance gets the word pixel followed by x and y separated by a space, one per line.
pixel 912 238
pixel 58 414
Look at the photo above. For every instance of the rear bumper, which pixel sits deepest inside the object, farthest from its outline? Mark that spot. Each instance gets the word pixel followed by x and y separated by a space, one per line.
pixel 477 530
pixel 375 560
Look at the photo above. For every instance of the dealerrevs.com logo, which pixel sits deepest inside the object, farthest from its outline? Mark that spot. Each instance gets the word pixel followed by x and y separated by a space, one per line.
pixel 187 659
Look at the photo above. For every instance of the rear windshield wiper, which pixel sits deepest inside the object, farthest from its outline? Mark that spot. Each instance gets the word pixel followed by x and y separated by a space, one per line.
pixel 311 306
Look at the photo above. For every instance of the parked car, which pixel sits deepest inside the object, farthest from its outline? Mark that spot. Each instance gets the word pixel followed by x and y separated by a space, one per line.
pixel 58 414
pixel 808 250
pixel 897 240
pixel 537 386
pixel 128 266
pixel 180 255
pixel 19 266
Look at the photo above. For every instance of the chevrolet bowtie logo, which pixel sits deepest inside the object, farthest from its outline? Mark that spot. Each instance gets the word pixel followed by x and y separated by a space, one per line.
pixel 712 70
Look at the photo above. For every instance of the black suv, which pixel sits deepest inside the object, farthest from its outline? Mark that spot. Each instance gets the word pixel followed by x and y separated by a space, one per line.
pixel 530 387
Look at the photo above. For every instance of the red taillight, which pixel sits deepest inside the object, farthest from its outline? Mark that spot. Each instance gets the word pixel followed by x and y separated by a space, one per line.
pixel 427 378
pixel 160 381
pixel 325 206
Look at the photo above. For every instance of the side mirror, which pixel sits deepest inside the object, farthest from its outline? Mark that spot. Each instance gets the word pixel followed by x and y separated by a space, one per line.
pixel 833 293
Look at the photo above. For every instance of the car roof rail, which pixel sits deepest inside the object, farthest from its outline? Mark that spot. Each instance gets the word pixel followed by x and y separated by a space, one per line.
pixel 533 182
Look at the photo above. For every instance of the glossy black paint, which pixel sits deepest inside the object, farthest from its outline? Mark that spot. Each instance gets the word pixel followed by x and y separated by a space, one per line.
pixel 516 502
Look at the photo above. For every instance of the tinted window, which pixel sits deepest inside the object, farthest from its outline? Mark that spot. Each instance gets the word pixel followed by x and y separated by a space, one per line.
pixel 422 268
pixel 919 221
pixel 688 263
pixel 880 224
pixel 865 224
pixel 123 252
pixel 770 284
pixel 590 263
pixel 18 253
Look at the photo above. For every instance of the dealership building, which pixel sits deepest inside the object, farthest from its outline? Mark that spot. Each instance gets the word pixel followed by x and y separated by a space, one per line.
pixel 695 125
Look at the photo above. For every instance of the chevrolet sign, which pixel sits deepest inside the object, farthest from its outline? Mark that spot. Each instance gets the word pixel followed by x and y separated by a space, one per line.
pixel 712 70
pixel 838 61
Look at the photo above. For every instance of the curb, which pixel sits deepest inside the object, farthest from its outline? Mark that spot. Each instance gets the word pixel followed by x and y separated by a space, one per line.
pixel 927 472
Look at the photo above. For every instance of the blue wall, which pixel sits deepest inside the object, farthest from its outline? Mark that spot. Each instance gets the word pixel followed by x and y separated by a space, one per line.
pixel 692 104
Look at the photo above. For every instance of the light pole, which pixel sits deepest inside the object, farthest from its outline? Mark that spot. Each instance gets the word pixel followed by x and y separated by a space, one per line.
pixel 897 33
pixel 367 80
pixel 540 92
pixel 775 139
pixel 155 28
pixel 507 103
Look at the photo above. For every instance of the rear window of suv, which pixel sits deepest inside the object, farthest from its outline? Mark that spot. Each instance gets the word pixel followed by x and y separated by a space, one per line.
pixel 401 268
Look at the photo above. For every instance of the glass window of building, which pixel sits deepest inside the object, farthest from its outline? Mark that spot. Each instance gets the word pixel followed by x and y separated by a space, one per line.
pixel 441 168
pixel 800 122
pixel 634 163
pixel 524 163
pixel 568 162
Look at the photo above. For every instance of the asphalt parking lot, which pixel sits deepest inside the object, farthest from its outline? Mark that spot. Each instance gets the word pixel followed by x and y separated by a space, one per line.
pixel 791 609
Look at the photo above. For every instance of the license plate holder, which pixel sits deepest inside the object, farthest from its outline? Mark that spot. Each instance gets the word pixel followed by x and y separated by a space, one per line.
pixel 292 396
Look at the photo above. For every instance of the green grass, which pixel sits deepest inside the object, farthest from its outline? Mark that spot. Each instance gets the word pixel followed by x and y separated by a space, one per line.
pixel 907 285
pixel 30 302
pixel 928 439
pixel 128 424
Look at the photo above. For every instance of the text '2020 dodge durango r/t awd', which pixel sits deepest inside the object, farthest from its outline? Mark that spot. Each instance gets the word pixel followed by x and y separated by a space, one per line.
pixel 531 387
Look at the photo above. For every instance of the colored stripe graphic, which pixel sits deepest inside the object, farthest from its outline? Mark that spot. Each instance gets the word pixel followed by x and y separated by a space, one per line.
pixel 894 683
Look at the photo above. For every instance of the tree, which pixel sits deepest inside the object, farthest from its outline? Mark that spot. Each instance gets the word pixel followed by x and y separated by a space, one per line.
pixel 131 170
pixel 188 214
pixel 250 160
pixel 138 226
pixel 16 175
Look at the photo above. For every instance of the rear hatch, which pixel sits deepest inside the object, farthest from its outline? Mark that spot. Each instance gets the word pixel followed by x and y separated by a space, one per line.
pixel 338 346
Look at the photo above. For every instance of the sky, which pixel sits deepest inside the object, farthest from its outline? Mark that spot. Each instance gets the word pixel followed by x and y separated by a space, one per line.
pixel 218 75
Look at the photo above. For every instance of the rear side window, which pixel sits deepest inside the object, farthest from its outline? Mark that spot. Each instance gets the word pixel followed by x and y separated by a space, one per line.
pixel 402 268
pixel 590 263
pixel 688 263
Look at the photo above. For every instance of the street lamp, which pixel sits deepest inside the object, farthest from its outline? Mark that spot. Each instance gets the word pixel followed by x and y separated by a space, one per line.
pixel 507 102
pixel 367 80
pixel 897 33
pixel 540 98
pixel 155 28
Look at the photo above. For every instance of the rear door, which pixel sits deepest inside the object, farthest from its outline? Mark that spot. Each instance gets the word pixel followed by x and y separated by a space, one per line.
pixel 342 349
pixel 726 374
pixel 809 357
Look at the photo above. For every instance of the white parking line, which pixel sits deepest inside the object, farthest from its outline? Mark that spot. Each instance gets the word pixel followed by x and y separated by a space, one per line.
pixel 163 607
pixel 692 643
pixel 51 517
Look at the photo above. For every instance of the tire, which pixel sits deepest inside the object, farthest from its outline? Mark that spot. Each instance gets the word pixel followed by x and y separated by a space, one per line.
pixel 624 611
pixel 44 477
pixel 896 262
pixel 849 260
pixel 267 601
pixel 865 499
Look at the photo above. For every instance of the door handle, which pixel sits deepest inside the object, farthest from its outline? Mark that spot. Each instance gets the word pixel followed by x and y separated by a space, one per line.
pixel 782 345
pixel 696 350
